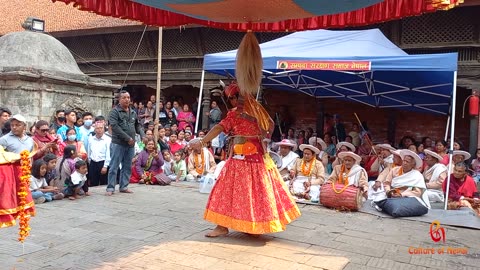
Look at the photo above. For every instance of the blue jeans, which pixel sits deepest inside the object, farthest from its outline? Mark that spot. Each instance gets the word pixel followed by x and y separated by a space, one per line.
pixel 120 155
pixel 37 194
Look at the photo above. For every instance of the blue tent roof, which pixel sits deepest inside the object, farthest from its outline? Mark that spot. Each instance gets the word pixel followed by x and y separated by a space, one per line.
pixel 393 79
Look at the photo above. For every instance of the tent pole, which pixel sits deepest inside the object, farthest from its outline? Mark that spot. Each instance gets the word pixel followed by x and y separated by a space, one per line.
pixel 159 82
pixel 199 101
pixel 446 129
pixel 452 134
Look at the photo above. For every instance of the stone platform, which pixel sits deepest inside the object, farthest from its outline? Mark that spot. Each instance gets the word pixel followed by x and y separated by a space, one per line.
pixel 162 228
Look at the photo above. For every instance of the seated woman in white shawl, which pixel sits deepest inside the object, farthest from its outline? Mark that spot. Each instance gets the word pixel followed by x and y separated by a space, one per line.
pixel 349 172
pixel 321 145
pixel 307 175
pixel 406 181
pixel 435 174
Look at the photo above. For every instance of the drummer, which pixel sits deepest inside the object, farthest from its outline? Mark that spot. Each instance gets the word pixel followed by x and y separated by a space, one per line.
pixel 321 145
pixel 286 151
pixel 307 175
pixel 349 172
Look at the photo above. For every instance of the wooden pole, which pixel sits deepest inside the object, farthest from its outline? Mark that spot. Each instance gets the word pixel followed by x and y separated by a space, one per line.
pixel 366 137
pixel 159 82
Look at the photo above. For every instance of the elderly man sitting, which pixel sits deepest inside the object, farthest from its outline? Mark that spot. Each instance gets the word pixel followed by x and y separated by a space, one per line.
pixel 405 189
pixel 459 156
pixel 343 147
pixel 376 190
pixel 349 172
pixel 321 145
pixel 435 173
pixel 307 175
pixel 286 152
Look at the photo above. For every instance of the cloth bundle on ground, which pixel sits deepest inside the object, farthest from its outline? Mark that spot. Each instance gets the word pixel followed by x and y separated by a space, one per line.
pixel 402 207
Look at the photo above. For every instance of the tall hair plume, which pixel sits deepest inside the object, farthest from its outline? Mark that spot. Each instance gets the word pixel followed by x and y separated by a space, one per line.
pixel 249 65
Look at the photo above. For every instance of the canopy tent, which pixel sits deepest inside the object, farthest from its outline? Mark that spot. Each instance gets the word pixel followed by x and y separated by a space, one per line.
pixel 362 66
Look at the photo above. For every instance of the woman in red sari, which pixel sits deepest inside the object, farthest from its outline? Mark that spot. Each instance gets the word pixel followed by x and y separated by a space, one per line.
pixel 250 195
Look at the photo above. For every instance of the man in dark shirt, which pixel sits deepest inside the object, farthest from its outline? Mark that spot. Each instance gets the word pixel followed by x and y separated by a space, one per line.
pixel 124 125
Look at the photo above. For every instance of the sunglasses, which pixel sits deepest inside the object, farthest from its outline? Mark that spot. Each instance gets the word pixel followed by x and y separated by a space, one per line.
pixel 44 130
pixel 232 97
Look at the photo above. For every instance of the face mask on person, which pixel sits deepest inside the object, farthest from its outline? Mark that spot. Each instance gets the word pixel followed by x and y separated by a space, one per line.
pixel 72 137
pixel 61 119
pixel 88 123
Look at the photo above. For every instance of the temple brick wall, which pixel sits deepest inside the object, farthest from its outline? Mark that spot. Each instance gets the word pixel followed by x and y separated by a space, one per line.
pixel 302 108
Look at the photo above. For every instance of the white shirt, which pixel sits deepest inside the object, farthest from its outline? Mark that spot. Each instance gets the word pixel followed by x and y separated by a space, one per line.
pixel 78 177
pixel 99 149
pixel 167 167
pixel 36 184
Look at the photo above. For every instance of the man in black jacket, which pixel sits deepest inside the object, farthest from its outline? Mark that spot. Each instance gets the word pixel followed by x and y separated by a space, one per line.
pixel 124 124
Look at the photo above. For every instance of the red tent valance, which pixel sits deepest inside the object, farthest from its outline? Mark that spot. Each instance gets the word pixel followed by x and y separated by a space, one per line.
pixel 377 13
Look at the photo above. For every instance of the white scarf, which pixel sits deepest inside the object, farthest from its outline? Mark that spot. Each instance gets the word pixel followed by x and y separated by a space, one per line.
pixel 437 169
pixel 206 158
pixel 288 160
pixel 355 174
pixel 413 178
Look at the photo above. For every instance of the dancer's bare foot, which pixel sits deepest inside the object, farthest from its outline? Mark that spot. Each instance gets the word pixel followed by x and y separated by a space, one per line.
pixel 218 231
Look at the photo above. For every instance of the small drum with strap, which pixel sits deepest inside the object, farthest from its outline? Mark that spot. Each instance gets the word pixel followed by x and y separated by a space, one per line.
pixel 341 197
pixel 276 158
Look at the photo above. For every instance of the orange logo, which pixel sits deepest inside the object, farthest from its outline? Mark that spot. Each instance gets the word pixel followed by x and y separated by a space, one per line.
pixel 437 232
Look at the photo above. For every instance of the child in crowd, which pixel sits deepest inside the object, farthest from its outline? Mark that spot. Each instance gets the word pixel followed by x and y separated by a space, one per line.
pixel 39 188
pixel 179 167
pixel 167 163
pixel 65 166
pixel 76 181
pixel 51 161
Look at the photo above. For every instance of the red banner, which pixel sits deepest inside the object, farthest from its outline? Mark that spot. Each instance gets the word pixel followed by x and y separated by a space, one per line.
pixel 324 65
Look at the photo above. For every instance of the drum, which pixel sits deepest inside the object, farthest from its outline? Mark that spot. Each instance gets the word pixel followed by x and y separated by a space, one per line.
pixel 276 158
pixel 348 199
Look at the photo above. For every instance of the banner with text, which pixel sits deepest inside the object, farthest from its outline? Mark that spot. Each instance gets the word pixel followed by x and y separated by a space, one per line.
pixel 324 65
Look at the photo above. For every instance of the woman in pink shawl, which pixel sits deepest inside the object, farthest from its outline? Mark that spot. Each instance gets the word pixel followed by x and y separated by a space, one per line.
pixel 185 118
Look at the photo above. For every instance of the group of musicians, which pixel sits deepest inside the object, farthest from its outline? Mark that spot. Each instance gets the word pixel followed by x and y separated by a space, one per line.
pixel 307 179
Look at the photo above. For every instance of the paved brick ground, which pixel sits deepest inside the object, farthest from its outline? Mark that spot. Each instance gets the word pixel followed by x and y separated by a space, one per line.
pixel 162 228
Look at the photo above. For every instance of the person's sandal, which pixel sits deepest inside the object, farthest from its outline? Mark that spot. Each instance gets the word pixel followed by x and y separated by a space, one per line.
pixel 126 191
pixel 108 193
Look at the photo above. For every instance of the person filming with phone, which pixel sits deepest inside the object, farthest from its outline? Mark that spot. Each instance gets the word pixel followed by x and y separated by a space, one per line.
pixel 45 142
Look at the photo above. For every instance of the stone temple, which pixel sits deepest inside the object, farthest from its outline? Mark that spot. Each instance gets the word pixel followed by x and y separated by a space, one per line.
pixel 39 75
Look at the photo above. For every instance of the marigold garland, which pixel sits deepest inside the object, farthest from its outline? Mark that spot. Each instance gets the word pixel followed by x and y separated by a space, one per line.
pixel 307 173
pixel 343 179
pixel 199 168
pixel 24 228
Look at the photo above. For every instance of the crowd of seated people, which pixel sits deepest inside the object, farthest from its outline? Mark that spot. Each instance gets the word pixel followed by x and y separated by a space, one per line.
pixel 412 175
pixel 409 178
